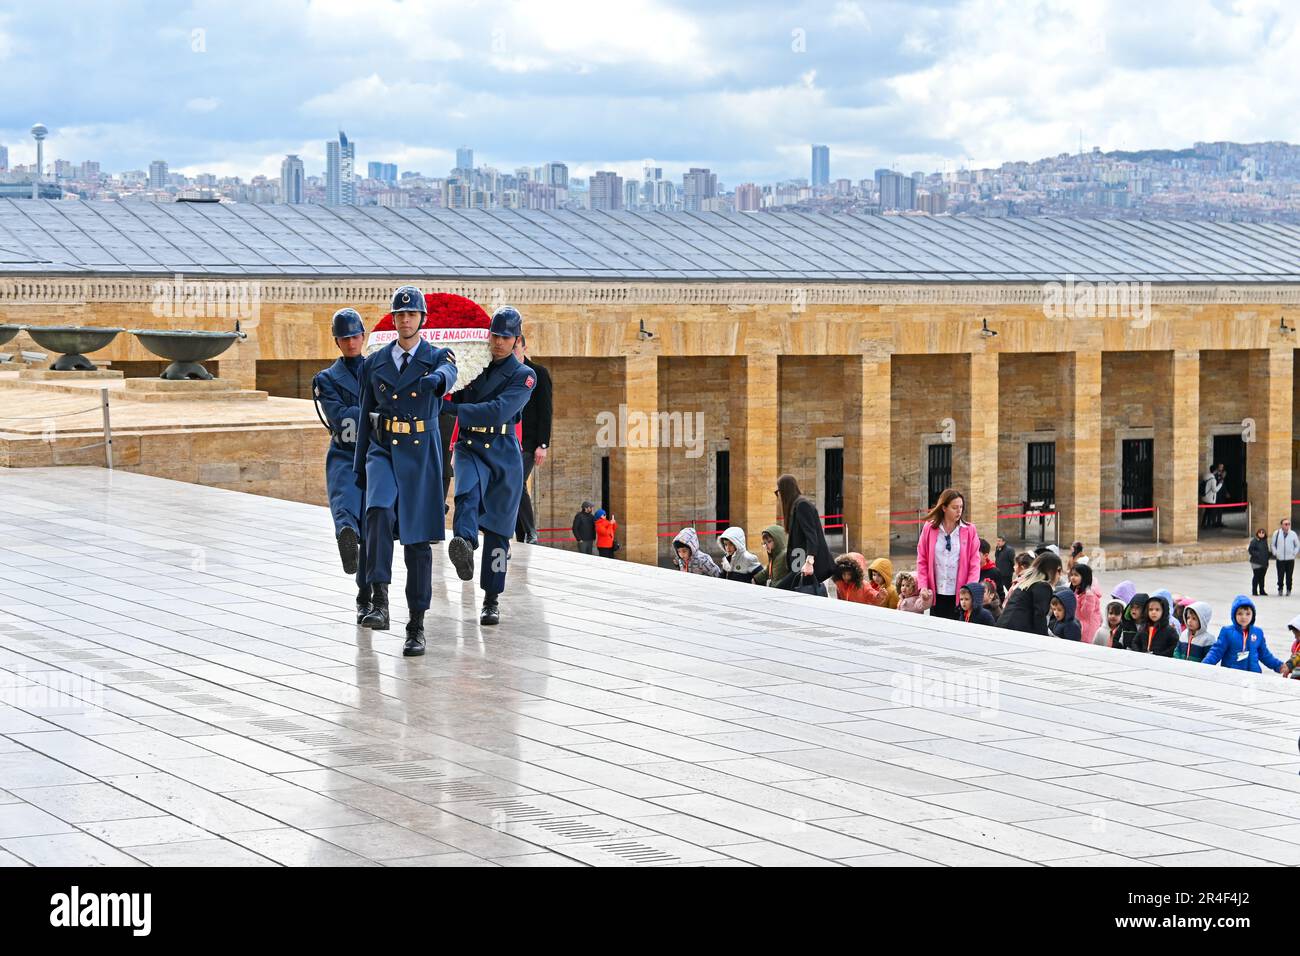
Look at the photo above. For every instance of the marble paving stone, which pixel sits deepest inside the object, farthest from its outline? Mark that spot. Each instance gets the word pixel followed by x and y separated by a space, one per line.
pixel 228 715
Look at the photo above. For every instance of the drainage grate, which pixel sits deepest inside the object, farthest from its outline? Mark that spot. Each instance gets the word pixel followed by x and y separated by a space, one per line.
pixel 276 725
pixel 139 676
pixel 639 852
pixel 516 809
pixel 239 710
pixel 410 771
pixel 1188 706
pixel 205 700
pixel 1003 671
pixel 908 651
pixel 361 754
pixel 863 641
pixel 957 662
pixel 1125 693
pixel 459 791
pixel 318 739
pixel 574 830
pixel 108 665
pixel 174 687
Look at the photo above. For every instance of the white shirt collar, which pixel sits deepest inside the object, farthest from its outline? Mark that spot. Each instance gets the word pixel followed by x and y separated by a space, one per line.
pixel 397 352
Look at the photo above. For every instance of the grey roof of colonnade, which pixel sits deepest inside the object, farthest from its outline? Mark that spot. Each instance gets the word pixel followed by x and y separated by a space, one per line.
pixel 51 237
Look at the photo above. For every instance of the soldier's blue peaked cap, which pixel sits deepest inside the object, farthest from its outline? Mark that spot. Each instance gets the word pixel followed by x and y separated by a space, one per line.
pixel 347 323
pixel 408 299
pixel 507 321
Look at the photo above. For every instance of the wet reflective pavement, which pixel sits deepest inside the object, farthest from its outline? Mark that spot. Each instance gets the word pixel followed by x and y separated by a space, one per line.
pixel 181 683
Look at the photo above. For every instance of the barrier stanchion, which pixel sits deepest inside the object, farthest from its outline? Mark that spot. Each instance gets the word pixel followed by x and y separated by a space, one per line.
pixel 108 430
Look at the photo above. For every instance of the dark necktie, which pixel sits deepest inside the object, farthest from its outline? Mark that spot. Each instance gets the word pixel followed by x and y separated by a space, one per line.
pixel 406 360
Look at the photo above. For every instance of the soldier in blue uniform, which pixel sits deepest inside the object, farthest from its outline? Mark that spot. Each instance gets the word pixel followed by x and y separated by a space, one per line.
pixel 489 466
pixel 399 463
pixel 337 391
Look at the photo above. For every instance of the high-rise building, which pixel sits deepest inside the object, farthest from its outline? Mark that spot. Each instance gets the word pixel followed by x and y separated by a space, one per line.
pixel 292 180
pixel 465 158
pixel 749 197
pixel 4 158
pixel 606 191
pixel 555 174
pixel 698 185
pixel 631 194
pixel 158 174
pixel 89 170
pixel 340 181
pixel 821 166
pixel 896 190
pixel 384 172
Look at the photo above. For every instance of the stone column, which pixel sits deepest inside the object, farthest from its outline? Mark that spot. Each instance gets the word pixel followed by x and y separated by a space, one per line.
pixel 1078 452
pixel 866 453
pixel 981 442
pixel 754 416
pixel 1178 444
pixel 634 463
pixel 1268 436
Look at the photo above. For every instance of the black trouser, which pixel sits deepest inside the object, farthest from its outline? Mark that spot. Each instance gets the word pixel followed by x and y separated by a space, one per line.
pixel 525 524
pixel 1284 570
pixel 587 547
pixel 493 562
pixel 606 552
pixel 945 605
pixel 1257 582
pixel 446 423
pixel 379 559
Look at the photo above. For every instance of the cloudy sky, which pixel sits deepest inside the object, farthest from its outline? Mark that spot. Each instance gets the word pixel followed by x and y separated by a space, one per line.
pixel 229 87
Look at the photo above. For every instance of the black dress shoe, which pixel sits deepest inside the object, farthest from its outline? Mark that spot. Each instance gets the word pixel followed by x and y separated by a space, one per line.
pixel 491 614
pixel 461 553
pixel 363 603
pixel 377 617
pixel 414 646
pixel 349 549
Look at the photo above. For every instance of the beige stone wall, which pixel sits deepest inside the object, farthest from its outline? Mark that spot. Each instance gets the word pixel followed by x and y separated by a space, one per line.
pixel 838 353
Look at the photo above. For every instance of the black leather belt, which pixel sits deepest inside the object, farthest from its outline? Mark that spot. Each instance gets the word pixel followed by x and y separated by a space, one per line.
pixel 398 427
pixel 490 429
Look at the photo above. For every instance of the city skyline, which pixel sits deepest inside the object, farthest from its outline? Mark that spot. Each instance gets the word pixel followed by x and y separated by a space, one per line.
pixel 739 89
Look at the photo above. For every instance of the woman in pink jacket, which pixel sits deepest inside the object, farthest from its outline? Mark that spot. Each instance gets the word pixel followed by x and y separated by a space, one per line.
pixel 948 554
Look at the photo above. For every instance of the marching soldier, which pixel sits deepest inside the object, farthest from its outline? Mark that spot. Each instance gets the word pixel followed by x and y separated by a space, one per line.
pixel 489 465
pixel 399 463
pixel 337 391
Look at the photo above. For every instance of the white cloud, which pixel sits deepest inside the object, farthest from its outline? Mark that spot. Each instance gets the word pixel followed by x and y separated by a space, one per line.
pixel 850 14
pixel 202 104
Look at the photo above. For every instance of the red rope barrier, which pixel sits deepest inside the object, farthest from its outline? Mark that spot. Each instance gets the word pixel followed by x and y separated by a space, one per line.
pixel 1231 504
pixel 1126 511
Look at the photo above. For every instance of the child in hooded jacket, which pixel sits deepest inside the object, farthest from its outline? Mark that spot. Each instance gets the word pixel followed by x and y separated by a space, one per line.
pixel 1241 644
pixel 1108 634
pixel 773 562
pixel 851 582
pixel 1061 621
pixel 1134 611
pixel 688 556
pixel 1195 640
pixel 1156 633
pixel 970 605
pixel 910 596
pixel 880 575
pixel 737 563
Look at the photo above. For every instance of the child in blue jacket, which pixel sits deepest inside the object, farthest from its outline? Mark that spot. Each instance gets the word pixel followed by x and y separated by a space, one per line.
pixel 1241 644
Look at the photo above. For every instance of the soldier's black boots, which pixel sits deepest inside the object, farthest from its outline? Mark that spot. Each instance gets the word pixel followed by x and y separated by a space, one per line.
pixel 491 614
pixel 414 646
pixel 363 603
pixel 377 618
pixel 349 548
pixel 461 553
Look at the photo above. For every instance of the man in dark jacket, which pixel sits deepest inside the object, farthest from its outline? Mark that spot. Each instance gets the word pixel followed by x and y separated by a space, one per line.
pixel 1004 556
pixel 536 441
pixel 584 528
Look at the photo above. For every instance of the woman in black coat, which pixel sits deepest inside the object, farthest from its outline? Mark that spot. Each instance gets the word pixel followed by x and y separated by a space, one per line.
pixel 1028 605
pixel 803 527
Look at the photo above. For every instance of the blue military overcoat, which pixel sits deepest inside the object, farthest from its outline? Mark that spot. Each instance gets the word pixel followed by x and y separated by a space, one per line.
pixel 338 389
pixel 493 461
pixel 404 469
